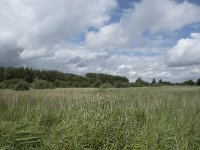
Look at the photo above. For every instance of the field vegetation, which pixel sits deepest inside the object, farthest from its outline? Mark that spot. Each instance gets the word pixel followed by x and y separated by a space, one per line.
pixel 48 79
pixel 143 118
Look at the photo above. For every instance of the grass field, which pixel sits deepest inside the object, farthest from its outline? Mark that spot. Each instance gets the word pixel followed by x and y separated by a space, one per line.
pixel 150 118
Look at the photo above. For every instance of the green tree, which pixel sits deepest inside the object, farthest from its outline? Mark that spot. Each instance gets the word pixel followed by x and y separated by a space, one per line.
pixel 188 82
pixel 153 81
pixel 1 74
pixel 198 82
pixel 8 73
pixel 28 75
pixel 160 81
pixel 139 83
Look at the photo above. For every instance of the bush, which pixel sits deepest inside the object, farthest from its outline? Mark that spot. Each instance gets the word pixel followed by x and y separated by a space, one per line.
pixel 75 84
pixel 21 86
pixel 106 85
pixel 42 84
pixel 137 85
pixel 189 82
pixel 2 86
pixel 10 84
pixel 140 83
pixel 121 84
pixel 62 84
pixel 83 84
pixel 96 84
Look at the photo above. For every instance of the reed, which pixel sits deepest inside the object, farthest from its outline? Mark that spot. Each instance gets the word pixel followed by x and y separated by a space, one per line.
pixel 108 119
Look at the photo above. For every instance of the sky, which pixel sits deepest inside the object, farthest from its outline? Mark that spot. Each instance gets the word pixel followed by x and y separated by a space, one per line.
pixel 134 38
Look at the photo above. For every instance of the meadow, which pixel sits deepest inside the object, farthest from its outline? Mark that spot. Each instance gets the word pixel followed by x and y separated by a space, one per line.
pixel 145 118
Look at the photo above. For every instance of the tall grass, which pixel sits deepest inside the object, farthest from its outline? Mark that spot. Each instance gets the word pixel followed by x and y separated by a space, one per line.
pixel 106 119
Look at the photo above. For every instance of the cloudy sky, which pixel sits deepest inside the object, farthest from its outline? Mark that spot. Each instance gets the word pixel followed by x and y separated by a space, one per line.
pixel 132 38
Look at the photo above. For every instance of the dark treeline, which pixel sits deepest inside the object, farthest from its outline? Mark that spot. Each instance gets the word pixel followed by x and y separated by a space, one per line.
pixel 23 78
pixel 10 76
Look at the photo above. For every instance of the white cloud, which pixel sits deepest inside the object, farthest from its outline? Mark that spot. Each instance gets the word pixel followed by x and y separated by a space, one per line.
pixel 34 24
pixel 73 52
pixel 153 16
pixel 161 15
pixel 80 60
pixel 64 19
pixel 43 33
pixel 32 53
pixel 185 52
pixel 108 36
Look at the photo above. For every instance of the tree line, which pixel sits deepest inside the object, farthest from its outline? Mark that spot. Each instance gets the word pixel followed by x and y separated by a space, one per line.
pixel 24 78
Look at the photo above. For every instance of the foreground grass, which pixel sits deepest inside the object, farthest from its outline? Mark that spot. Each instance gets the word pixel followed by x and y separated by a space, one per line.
pixel 84 119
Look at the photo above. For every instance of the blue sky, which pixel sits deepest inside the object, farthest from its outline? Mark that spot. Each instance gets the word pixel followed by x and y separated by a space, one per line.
pixel 133 38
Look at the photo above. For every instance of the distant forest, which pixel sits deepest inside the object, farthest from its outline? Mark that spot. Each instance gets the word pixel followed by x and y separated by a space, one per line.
pixel 12 78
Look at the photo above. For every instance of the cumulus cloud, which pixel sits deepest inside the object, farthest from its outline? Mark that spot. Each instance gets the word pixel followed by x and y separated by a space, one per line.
pixel 131 66
pixel 153 16
pixel 80 36
pixel 109 36
pixel 185 52
pixel 161 15
pixel 63 19
pixel 36 25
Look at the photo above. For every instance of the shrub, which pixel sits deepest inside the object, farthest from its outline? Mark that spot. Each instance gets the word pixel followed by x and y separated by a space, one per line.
pixel 83 84
pixel 96 84
pixel 62 84
pixel 10 84
pixel 140 83
pixel 164 83
pixel 75 84
pixel 21 86
pixel 137 85
pixel 42 84
pixel 106 85
pixel 2 86
pixel 121 84
pixel 189 82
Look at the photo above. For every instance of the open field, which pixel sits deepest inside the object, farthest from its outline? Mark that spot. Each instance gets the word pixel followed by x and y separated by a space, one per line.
pixel 108 119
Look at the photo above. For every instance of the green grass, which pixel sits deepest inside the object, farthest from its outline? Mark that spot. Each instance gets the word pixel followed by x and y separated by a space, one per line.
pixel 107 119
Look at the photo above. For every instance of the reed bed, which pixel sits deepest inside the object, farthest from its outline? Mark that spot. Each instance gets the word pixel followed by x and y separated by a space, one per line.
pixel 148 118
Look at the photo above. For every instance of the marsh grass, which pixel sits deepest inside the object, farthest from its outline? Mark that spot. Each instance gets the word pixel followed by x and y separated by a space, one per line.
pixel 107 119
